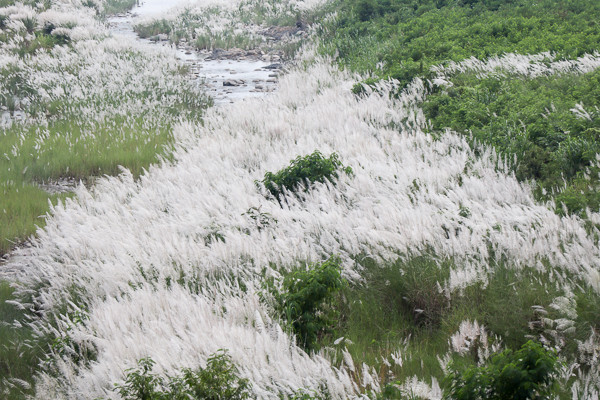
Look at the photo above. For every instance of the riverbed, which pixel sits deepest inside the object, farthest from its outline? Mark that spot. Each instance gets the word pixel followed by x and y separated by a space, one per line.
pixel 227 79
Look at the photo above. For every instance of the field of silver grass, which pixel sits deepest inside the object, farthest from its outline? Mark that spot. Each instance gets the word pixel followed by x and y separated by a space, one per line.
pixel 111 256
pixel 133 268
pixel 96 78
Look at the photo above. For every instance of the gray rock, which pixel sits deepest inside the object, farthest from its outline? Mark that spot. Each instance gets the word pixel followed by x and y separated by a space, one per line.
pixel 233 82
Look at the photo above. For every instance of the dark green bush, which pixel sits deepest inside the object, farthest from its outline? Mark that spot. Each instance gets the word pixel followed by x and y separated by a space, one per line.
pixel 528 373
pixel 305 297
pixel 218 381
pixel 308 169
pixel 366 9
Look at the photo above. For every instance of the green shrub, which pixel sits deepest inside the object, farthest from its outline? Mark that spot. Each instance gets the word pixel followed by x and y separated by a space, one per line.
pixel 528 373
pixel 305 298
pixel 366 9
pixel 218 381
pixel 308 169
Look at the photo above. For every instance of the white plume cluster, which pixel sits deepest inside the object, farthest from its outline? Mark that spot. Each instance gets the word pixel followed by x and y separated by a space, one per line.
pixel 525 65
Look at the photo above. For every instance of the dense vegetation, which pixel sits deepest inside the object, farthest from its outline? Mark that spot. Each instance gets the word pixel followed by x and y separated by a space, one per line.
pixel 219 380
pixel 551 124
pixel 528 373
pixel 21 350
pixel 535 120
pixel 402 39
pixel 305 300
pixel 55 127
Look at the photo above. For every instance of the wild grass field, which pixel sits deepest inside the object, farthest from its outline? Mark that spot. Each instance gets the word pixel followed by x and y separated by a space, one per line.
pixel 77 104
pixel 382 226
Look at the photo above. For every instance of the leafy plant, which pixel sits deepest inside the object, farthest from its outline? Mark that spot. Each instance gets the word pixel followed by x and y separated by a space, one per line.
pixel 308 169
pixel 140 384
pixel 218 381
pixel 528 373
pixel 305 297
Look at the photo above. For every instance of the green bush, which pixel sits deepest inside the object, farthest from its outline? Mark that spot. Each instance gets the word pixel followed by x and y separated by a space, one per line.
pixel 528 373
pixel 218 381
pixel 308 169
pixel 305 297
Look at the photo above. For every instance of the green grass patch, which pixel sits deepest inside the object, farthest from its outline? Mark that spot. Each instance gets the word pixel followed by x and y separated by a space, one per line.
pixel 66 150
pixel 21 351
pixel 402 308
pixel 23 211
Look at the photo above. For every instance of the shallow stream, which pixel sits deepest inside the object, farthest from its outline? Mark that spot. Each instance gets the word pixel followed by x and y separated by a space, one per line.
pixel 227 80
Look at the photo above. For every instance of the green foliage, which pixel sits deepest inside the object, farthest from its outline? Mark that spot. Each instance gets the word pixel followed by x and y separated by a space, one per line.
pixel 77 155
pixel 140 384
pixel 218 381
pixel 305 298
pixel 403 307
pixel 304 170
pixel 531 119
pixel 409 36
pixel 528 373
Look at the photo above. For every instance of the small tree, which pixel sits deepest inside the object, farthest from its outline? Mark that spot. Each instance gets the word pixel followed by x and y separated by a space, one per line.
pixel 308 169
pixel 304 298
pixel 525 374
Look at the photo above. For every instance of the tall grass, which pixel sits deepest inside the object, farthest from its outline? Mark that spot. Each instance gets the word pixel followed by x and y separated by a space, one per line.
pixel 232 24
pixel 448 255
pixel 21 349
pixel 24 208
pixel 400 320
pixel 178 255
pixel 78 120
